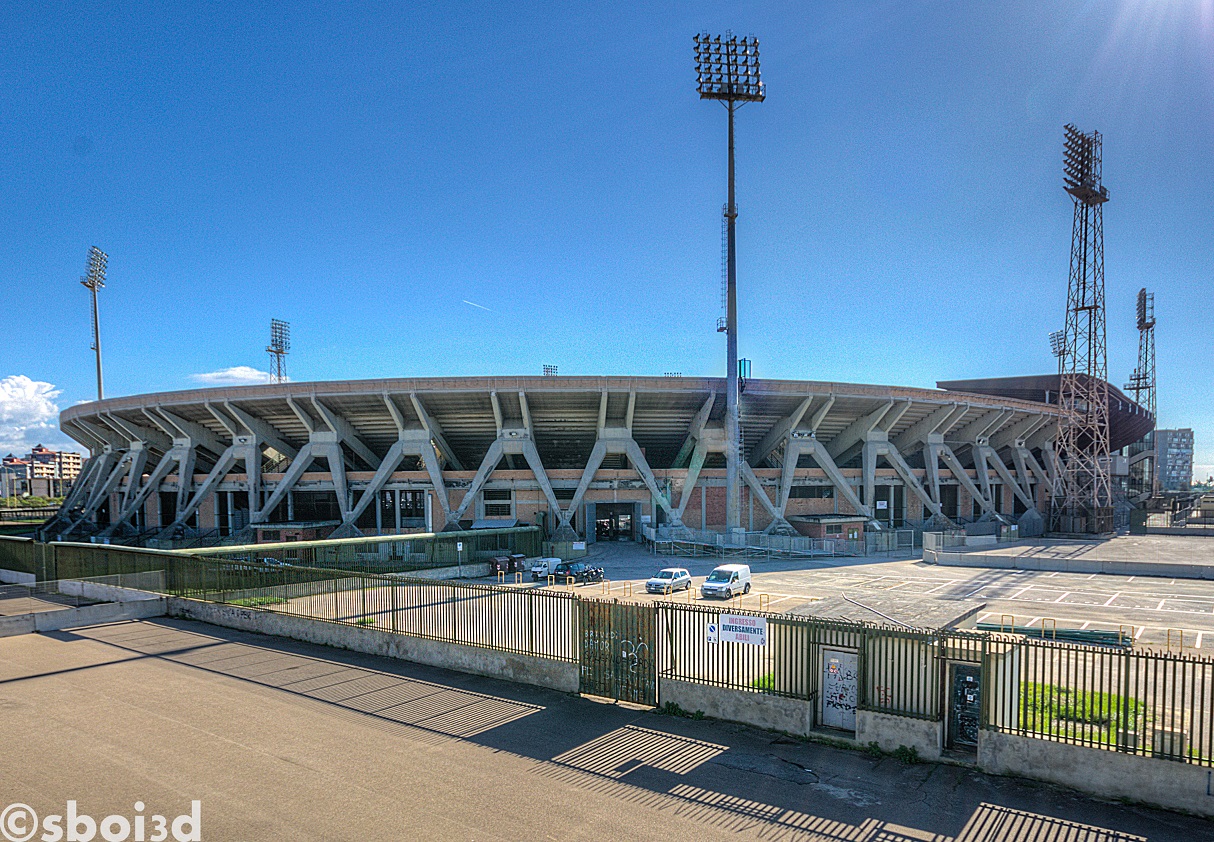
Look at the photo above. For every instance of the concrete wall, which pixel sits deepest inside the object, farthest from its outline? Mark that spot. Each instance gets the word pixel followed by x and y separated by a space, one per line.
pixel 796 716
pixel 86 615
pixel 15 577
pixel 112 593
pixel 1004 561
pixel 525 669
pixel 1108 774
pixel 889 732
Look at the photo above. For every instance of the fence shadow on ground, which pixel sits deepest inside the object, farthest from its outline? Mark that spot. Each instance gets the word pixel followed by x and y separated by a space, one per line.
pixel 729 778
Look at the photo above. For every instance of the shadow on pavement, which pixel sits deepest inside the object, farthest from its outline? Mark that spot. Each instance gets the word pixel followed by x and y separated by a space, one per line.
pixel 722 775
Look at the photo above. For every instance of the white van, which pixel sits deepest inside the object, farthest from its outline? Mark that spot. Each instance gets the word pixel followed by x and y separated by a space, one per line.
pixel 543 568
pixel 727 581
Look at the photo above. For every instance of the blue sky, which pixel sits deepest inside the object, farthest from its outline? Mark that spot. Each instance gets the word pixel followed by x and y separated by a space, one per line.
pixel 364 171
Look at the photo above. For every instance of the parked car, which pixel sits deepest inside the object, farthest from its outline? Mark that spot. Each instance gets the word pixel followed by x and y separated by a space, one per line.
pixel 668 580
pixel 543 568
pixel 579 571
pixel 727 581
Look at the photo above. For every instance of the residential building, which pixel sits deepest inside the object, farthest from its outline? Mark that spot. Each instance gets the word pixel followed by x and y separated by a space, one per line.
pixel 1175 459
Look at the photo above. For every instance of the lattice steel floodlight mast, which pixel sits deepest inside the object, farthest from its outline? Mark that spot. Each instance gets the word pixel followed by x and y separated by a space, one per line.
pixel 94 279
pixel 1142 384
pixel 1087 502
pixel 279 347
pixel 727 70
pixel 1058 346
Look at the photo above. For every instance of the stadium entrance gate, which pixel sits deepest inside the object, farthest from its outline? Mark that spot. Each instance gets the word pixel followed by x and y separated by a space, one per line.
pixel 616 651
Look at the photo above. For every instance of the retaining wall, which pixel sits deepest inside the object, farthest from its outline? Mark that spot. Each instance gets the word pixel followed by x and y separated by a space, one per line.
pixel 102 592
pixel 85 615
pixel 16 577
pixel 1171 570
pixel 796 716
pixel 1108 774
pixel 889 732
pixel 525 669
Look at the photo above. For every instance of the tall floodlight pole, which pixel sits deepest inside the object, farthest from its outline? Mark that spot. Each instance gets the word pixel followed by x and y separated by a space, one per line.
pixel 1142 384
pixel 1087 502
pixel 280 345
pixel 94 279
pixel 727 69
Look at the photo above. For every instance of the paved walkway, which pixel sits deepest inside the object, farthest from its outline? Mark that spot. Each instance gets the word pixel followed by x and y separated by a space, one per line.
pixel 282 740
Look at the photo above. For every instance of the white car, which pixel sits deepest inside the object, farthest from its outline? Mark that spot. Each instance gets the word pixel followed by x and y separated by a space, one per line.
pixel 543 568
pixel 668 580
pixel 727 581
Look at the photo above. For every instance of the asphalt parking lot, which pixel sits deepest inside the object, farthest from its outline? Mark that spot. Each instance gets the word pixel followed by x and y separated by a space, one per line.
pixel 1157 611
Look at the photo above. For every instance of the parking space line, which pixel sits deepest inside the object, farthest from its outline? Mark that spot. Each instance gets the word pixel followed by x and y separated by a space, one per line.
pixel 1197 644
pixel 1138 634
pixel 1064 596
pixel 1159 607
pixel 1113 597
pixel 1085 625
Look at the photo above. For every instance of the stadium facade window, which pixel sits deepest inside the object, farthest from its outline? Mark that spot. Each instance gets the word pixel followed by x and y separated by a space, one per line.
pixel 815 492
pixel 499 502
pixel 316 506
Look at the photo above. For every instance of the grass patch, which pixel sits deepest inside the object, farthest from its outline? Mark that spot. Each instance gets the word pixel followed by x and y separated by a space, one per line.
pixel 673 709
pixel 259 601
pixel 766 683
pixel 365 621
pixel 1064 712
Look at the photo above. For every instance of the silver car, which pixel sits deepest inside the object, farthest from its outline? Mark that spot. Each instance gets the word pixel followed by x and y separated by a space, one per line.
pixel 669 580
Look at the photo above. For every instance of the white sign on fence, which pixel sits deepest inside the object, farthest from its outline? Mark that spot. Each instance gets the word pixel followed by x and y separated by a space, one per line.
pixel 579 545
pixel 735 628
pixel 714 634
pixel 882 504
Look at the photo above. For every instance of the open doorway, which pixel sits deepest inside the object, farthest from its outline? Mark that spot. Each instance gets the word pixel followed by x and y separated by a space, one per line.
pixel 614 522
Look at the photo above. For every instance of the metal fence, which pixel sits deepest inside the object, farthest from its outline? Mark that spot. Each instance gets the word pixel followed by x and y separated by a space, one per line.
pixel 1154 703
pixel 388 553
pixel 1149 703
pixel 699 543
pixel 526 621
pixel 898 668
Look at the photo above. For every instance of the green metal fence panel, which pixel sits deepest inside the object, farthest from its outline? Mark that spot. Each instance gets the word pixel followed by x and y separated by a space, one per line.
pixel 18 554
pixel 900 673
pixel 389 553
pixel 1141 702
pixel 1157 704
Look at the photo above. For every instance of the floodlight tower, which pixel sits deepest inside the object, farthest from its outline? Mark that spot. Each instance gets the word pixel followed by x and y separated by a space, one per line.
pixel 280 345
pixel 727 70
pixel 1087 501
pixel 94 279
pixel 1058 346
pixel 1142 384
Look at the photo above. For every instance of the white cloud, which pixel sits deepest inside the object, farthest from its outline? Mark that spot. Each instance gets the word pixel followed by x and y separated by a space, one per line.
pixel 28 414
pixel 237 375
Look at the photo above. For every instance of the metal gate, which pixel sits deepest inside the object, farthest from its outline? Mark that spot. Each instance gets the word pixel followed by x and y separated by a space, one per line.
pixel 616 650
pixel 965 686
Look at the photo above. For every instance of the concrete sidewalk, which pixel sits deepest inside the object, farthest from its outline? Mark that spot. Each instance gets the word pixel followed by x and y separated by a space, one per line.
pixel 283 740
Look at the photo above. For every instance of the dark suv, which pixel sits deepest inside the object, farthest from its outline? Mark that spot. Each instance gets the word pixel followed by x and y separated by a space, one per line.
pixel 580 571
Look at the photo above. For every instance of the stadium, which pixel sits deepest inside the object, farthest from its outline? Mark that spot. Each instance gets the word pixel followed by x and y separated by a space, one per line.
pixel 586 458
